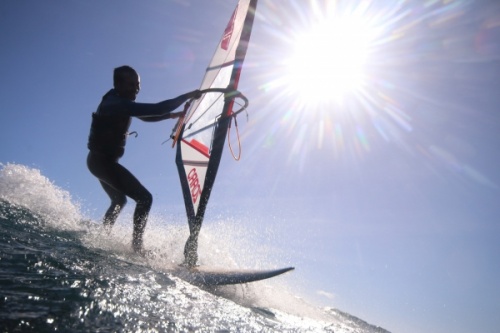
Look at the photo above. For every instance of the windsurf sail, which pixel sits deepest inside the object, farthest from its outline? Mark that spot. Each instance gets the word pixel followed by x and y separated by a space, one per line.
pixel 201 134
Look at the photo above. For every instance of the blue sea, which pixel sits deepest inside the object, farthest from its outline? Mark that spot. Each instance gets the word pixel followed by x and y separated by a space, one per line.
pixel 59 272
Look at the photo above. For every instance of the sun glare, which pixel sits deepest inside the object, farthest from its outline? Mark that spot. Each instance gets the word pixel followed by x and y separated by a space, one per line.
pixel 349 76
pixel 328 60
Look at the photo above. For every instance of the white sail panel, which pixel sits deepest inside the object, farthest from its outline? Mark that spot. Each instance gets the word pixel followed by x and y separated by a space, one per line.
pixel 195 166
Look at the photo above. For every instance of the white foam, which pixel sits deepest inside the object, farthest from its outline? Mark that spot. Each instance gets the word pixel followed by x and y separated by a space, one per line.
pixel 27 187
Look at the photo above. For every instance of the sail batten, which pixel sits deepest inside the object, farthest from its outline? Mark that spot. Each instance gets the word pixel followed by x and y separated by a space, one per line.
pixel 231 63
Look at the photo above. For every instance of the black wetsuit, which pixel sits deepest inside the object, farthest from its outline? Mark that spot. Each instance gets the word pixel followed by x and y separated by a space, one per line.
pixel 108 134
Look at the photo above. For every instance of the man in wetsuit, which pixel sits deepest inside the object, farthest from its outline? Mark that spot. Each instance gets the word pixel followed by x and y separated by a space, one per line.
pixel 108 134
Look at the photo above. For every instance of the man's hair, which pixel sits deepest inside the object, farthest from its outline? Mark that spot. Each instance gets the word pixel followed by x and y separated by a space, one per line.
pixel 119 72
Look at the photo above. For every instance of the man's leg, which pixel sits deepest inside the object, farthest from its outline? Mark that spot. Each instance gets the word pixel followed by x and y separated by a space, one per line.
pixel 141 214
pixel 121 182
pixel 118 201
pixel 128 184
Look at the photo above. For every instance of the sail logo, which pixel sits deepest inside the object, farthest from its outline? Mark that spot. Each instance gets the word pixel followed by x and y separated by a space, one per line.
pixel 194 185
pixel 228 33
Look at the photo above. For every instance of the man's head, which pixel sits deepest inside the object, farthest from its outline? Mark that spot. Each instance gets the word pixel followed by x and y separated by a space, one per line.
pixel 127 82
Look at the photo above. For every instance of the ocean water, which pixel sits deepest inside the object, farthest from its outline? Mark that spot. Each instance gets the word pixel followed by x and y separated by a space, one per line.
pixel 60 273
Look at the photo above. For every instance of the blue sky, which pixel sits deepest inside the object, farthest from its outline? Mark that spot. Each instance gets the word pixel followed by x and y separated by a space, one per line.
pixel 384 192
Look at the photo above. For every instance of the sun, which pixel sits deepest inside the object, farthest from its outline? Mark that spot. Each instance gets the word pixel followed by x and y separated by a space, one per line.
pixel 328 60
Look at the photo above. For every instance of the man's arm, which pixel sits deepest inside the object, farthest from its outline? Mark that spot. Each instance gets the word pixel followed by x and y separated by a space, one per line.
pixel 166 107
pixel 174 102
pixel 114 105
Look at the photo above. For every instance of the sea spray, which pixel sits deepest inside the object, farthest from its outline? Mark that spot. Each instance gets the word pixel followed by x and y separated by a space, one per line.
pixel 61 271
pixel 224 243
pixel 27 187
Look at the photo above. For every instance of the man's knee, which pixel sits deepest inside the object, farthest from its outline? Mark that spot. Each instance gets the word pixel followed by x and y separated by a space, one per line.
pixel 120 201
pixel 146 199
pixel 149 198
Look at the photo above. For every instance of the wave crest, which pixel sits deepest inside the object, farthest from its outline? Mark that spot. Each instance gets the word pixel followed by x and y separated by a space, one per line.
pixel 27 187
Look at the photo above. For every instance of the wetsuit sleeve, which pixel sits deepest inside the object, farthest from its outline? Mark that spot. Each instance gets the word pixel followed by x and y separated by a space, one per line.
pixel 144 111
pixel 158 111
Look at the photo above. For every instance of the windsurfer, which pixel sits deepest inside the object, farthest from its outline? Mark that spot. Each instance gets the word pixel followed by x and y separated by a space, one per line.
pixel 108 133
